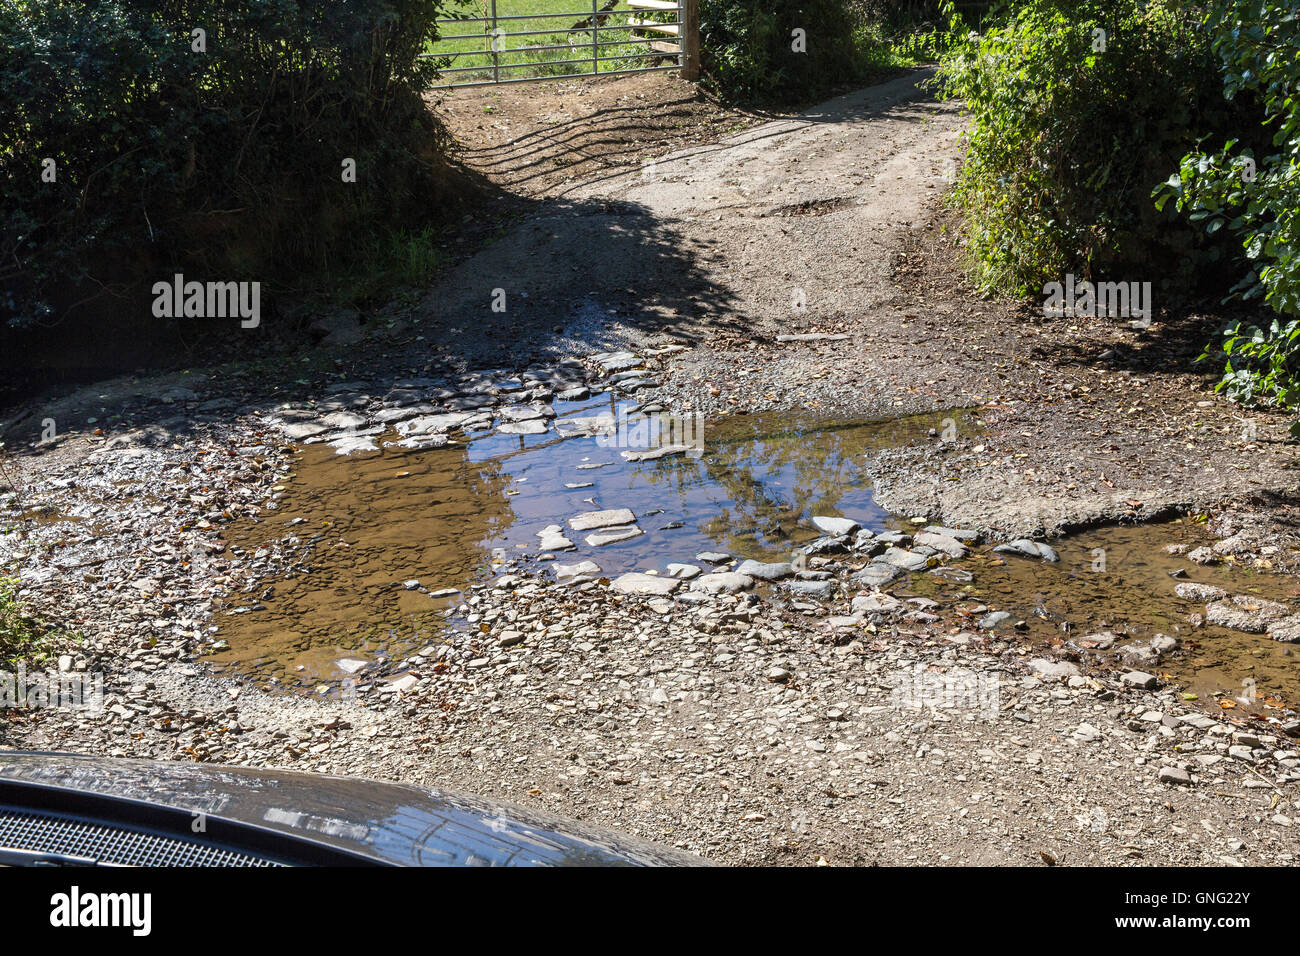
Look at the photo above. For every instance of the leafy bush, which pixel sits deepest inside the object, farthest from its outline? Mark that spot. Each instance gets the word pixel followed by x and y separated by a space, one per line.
pixel 749 48
pixel 1255 198
pixel 1069 138
pixel 226 161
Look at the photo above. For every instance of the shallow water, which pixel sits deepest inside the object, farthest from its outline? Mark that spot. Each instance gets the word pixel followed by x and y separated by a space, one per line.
pixel 447 517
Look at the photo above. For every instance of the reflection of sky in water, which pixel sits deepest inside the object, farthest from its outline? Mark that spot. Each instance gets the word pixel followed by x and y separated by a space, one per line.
pixel 750 493
pixel 436 516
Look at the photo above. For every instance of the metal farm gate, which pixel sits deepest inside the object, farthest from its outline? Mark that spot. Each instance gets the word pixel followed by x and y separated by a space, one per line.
pixel 608 38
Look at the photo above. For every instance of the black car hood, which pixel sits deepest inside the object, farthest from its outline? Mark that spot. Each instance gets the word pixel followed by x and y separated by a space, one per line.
pixel 377 822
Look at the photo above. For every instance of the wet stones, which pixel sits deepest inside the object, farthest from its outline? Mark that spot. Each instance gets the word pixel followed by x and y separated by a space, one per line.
pixel 877 574
pixel 827 544
pixel 722 582
pixel 967 537
pixel 612 362
pixel 611 517
pixel 577 573
pixel 1244 613
pixel 612 536
pixel 526 413
pixel 553 539
pixel 431 424
pixel 773 571
pixel 905 560
pixel 610 526
pixel 532 426
pixel 994 618
pixel 835 527
pixel 1191 591
pixel 1029 549
pixel 943 543
pixel 636 582
pixel 297 431
pixel 817 590
pixel 1286 630
pixel 354 445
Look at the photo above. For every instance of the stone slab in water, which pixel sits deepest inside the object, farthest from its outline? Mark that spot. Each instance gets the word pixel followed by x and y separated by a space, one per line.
pixel 608 518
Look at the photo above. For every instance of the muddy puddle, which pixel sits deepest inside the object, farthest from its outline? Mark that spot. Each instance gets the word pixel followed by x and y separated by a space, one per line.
pixel 392 540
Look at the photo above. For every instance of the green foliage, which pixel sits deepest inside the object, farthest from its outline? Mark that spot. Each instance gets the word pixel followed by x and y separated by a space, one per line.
pixel 226 161
pixel 20 633
pixel 1255 198
pixel 749 54
pixel 1069 139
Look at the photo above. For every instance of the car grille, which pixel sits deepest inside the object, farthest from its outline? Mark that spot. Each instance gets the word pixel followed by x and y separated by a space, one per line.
pixel 110 845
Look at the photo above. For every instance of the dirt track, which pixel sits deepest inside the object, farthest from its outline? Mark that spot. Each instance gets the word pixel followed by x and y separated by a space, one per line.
pixel 826 222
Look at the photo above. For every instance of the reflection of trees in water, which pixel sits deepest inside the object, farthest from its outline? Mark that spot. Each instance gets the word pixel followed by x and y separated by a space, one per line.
pixel 759 482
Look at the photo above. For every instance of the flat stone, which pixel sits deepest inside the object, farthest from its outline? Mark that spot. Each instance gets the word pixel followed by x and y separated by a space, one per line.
pixel 722 582
pixel 837 527
pixel 339 421
pixel 967 537
pixel 820 590
pixel 877 574
pixel 531 427
pixel 1029 549
pixel 1174 775
pixel 941 542
pixel 713 557
pixel 991 620
pixel 613 536
pixel 1043 667
pixel 827 544
pixel 601 519
pixel 354 446
pixel 683 572
pixel 1140 679
pixel 1243 613
pixel 297 431
pixel 1191 591
pixel 430 424
pixel 575 573
pixel 876 604
pixel 422 442
pixel 1287 629
pixel 554 540
pixel 907 560
pixel 350 665
pixel 387 416
pixel 525 413
pixel 637 583
pixel 618 361
pixel 652 454
pixel 773 571
pixel 510 638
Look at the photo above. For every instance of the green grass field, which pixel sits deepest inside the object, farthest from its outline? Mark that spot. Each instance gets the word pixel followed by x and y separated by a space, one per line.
pixel 523 56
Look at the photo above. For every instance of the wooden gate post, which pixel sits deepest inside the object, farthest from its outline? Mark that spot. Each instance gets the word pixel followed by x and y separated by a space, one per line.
pixel 691 40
